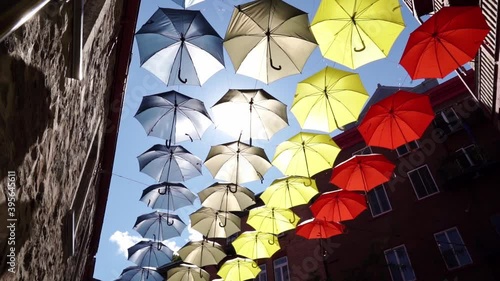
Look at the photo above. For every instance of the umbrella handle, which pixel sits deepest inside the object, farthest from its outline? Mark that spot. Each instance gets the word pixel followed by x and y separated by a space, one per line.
pixel 254 265
pixel 170 223
pixel 294 219
pixel 184 81
pixel 362 48
pixel 158 247
pixel 225 222
pixel 274 67
pixel 271 242
pixel 231 190
pixel 162 192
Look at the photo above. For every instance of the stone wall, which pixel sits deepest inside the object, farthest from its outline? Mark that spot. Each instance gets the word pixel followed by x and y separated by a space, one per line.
pixel 46 128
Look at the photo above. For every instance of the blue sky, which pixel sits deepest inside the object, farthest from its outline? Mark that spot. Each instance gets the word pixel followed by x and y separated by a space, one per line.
pixel 128 182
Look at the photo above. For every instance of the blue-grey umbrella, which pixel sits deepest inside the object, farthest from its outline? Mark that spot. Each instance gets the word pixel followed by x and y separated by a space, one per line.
pixel 168 196
pixel 150 254
pixel 137 273
pixel 180 47
pixel 159 226
pixel 169 163
pixel 173 116
pixel 187 3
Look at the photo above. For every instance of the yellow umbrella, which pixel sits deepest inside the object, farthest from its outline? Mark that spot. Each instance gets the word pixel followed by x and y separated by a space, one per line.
pixel 272 220
pixel 354 33
pixel 238 269
pixel 288 192
pixel 305 154
pixel 329 99
pixel 256 244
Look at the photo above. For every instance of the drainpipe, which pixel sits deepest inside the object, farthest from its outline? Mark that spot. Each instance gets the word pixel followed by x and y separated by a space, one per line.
pixel 17 14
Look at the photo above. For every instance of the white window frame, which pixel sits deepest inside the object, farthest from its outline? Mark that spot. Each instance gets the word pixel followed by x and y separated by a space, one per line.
pixel 445 118
pixel 262 276
pixel 378 201
pixel 408 147
pixel 393 249
pixel 413 185
pixel 445 232
pixel 362 151
pixel 280 266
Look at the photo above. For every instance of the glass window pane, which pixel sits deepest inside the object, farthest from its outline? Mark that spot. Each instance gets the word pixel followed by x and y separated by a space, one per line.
pixel 430 187
pixel 277 273
pixel 374 204
pixel 285 273
pixel 383 200
pixel 460 250
pixel 393 264
pixel 417 184
pixel 406 268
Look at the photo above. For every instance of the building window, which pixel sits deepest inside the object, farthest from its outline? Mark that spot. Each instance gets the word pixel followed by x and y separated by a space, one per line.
pixel 378 201
pixel 399 264
pixel 452 248
pixel 448 121
pixel 407 148
pixel 468 157
pixel 262 276
pixel 423 182
pixel 495 221
pixel 232 237
pixel 363 151
pixel 281 269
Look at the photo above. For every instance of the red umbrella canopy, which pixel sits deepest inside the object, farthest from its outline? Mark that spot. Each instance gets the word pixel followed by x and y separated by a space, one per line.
pixel 443 43
pixel 317 229
pixel 396 120
pixel 338 205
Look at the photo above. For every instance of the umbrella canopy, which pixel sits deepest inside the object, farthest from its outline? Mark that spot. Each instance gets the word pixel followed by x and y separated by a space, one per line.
pixel 159 225
pixel 250 114
pixel 238 269
pixel 167 196
pixel 354 33
pixel 185 272
pixel 256 244
pixel 319 229
pixel 305 154
pixel 237 162
pixel 272 220
pixel 268 40
pixel 446 41
pixel 180 47
pixel 226 197
pixel 202 253
pixel 150 254
pixel 288 192
pixel 169 163
pixel 173 116
pixel 137 273
pixel 362 172
pixel 187 3
pixel 328 100
pixel 338 205
pixel 214 224
pixel 396 120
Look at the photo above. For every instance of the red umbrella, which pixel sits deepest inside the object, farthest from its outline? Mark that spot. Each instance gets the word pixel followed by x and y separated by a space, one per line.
pixel 317 228
pixel 338 205
pixel 362 172
pixel 396 120
pixel 443 43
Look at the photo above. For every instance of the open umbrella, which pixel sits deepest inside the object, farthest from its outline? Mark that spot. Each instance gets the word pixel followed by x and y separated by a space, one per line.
pixel 238 269
pixel 150 254
pixel 272 220
pixel 328 100
pixel 137 273
pixel 256 244
pixel 250 114
pixel 213 223
pixel 305 154
pixel 338 205
pixel 159 225
pixel 237 162
pixel 354 33
pixel 169 163
pixel 268 40
pixel 186 272
pixel 226 197
pixel 443 43
pixel 180 47
pixel 319 229
pixel 396 120
pixel 362 172
pixel 187 3
pixel 173 116
pixel 288 192
pixel 202 253
pixel 167 196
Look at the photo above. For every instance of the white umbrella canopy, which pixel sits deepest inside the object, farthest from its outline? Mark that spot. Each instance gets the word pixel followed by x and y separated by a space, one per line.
pixel 202 253
pixel 215 224
pixel 226 197
pixel 186 272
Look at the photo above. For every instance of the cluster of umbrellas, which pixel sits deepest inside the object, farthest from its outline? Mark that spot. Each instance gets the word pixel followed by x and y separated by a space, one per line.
pixel 268 40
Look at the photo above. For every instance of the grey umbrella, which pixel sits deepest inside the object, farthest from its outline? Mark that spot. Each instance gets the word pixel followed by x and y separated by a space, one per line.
pixel 226 197
pixel 167 196
pixel 137 273
pixel 150 254
pixel 159 225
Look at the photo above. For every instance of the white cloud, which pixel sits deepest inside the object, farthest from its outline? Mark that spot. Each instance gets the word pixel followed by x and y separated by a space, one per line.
pixel 124 241
pixel 194 235
pixel 172 245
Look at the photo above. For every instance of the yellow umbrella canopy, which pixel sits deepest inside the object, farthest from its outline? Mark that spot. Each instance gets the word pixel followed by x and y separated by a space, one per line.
pixel 354 33
pixel 256 244
pixel 186 272
pixel 290 191
pixel 213 223
pixel 202 253
pixel 272 220
pixel 305 154
pixel 329 99
pixel 238 269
